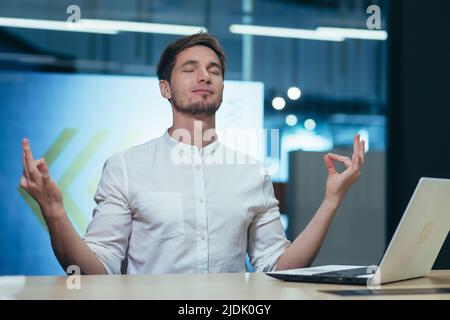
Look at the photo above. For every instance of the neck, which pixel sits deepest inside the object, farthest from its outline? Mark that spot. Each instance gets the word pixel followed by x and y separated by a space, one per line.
pixel 196 130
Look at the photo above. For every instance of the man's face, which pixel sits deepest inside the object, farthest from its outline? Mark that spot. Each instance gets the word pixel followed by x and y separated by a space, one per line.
pixel 196 83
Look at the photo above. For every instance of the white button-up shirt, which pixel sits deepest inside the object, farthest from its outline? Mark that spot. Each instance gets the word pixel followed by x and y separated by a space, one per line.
pixel 170 207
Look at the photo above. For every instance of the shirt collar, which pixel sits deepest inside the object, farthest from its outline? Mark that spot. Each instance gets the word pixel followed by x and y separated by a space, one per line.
pixel 205 151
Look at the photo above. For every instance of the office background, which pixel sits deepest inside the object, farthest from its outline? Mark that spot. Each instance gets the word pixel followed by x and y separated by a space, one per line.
pixel 81 96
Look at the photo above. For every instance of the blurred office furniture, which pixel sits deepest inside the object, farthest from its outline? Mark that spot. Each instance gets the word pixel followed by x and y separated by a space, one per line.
pixel 357 235
pixel 419 110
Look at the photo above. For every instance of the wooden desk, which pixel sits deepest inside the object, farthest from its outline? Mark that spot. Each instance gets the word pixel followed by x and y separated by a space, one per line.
pixel 208 287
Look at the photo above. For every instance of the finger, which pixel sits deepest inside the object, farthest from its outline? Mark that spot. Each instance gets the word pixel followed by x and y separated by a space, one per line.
pixel 29 161
pixel 44 171
pixel 23 182
pixel 25 167
pixel 38 163
pixel 345 160
pixel 356 151
pixel 329 164
pixel 363 151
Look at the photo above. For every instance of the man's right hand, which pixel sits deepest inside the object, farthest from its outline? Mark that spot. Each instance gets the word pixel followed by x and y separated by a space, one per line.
pixel 69 247
pixel 36 181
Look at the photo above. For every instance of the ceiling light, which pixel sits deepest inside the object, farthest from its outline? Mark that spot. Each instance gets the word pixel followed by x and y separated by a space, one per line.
pixel 291 120
pixel 294 93
pixel 309 124
pixel 144 27
pixel 354 33
pixel 278 103
pixel 282 32
pixel 101 26
pixel 52 25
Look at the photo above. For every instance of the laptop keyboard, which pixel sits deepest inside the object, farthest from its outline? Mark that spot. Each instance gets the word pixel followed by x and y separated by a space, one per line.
pixel 346 273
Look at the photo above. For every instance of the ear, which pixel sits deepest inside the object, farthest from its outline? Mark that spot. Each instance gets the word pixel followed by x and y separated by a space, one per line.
pixel 164 87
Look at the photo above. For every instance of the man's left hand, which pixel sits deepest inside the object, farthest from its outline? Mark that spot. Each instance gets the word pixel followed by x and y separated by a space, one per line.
pixel 338 183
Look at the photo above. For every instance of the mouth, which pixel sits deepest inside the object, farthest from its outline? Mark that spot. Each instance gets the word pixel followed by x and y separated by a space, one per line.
pixel 203 91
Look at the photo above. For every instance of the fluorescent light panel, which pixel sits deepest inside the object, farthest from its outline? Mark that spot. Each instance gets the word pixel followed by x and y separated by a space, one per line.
pixel 101 26
pixel 354 33
pixel 282 32
pixel 321 33
pixel 51 25
pixel 143 27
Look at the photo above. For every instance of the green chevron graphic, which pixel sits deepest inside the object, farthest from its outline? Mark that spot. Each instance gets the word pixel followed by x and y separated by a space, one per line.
pixel 74 212
pixel 80 161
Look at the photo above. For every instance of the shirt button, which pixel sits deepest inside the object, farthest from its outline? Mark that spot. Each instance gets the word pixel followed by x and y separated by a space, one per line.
pixel 201 200
pixel 203 237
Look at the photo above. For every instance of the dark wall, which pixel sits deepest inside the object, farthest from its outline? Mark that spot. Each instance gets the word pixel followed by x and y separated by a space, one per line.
pixel 419 103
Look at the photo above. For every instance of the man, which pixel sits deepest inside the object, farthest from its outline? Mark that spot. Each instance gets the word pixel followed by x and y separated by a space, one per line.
pixel 157 214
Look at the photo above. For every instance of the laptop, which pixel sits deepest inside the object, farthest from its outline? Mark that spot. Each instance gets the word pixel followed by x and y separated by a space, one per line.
pixel 412 251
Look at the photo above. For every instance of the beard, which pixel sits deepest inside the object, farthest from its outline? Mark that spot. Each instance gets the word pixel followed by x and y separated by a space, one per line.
pixel 201 108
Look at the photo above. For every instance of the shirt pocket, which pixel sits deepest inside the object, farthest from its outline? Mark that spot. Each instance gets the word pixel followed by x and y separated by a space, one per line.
pixel 161 213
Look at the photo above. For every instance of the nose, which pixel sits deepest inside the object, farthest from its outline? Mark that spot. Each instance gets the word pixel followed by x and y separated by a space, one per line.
pixel 203 76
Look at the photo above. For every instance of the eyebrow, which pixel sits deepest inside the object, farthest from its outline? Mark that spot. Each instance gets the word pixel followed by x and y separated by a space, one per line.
pixel 195 62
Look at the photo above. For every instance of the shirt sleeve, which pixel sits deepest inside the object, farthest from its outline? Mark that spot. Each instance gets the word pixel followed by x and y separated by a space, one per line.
pixel 108 233
pixel 266 237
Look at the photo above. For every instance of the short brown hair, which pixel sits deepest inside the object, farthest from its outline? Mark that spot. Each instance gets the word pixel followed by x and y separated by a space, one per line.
pixel 169 55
